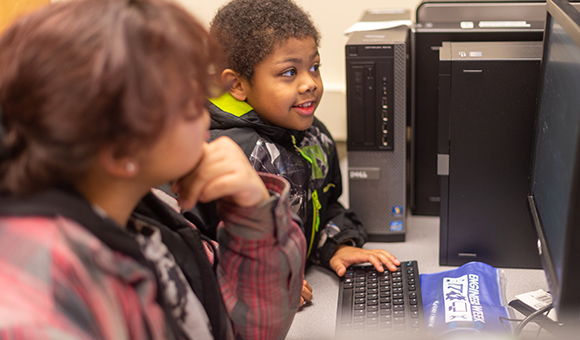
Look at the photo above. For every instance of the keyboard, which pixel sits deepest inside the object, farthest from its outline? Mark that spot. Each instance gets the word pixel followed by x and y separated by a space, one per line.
pixel 386 304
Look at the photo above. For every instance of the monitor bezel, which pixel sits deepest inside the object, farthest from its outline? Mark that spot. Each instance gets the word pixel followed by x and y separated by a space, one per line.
pixel 566 294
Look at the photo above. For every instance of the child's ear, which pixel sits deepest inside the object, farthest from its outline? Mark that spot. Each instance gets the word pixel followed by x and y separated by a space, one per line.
pixel 117 166
pixel 236 85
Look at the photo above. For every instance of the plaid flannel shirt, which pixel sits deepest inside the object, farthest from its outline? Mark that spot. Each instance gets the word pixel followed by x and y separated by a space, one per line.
pixel 57 280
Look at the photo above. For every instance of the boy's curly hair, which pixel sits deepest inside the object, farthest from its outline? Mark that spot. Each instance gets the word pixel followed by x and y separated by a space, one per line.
pixel 248 30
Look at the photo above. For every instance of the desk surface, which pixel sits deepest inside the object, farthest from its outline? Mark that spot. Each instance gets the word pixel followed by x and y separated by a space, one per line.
pixel 317 321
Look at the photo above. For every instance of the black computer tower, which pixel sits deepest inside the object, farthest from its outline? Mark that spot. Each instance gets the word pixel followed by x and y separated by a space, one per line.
pixel 376 72
pixel 438 21
pixel 487 104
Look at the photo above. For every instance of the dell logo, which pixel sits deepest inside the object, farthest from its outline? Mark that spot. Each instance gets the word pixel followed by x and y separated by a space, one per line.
pixel 359 174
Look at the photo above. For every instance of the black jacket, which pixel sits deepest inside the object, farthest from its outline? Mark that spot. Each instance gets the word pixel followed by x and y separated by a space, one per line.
pixel 184 241
pixel 307 159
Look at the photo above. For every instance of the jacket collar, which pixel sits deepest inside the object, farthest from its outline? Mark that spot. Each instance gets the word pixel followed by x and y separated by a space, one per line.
pixel 227 113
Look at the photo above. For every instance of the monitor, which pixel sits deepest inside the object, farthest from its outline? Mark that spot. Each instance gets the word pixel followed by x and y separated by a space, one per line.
pixel 554 197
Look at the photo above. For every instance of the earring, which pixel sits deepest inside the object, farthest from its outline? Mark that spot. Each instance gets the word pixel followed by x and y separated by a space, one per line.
pixel 130 167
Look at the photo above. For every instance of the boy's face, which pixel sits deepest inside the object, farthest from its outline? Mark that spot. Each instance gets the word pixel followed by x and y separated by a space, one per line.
pixel 286 87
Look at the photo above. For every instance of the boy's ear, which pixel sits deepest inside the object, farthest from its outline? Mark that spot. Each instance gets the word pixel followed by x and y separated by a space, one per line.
pixel 236 85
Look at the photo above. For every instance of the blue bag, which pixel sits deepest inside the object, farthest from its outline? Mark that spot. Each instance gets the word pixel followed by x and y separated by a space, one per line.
pixel 466 299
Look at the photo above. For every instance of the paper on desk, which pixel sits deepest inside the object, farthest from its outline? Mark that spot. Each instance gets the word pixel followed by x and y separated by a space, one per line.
pixel 376 25
pixel 538 299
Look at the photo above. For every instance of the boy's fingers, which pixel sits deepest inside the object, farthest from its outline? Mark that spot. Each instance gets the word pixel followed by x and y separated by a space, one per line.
pixel 307 285
pixel 338 267
pixel 306 295
pixel 376 262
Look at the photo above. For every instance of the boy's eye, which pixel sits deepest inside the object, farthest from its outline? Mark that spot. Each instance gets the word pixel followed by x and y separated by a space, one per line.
pixel 289 73
pixel 315 68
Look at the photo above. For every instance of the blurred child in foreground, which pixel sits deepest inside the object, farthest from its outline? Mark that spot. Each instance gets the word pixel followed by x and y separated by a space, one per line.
pixel 100 101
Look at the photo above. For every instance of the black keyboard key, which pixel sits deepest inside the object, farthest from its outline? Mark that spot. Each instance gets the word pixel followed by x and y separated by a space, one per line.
pixel 399 320
pixel 386 296
pixel 346 306
pixel 385 318
pixel 386 325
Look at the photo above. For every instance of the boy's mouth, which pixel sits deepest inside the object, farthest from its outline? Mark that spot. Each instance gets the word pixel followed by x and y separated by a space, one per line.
pixel 306 108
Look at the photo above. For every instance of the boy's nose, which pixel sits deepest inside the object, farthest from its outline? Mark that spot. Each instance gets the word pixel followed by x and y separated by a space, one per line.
pixel 308 84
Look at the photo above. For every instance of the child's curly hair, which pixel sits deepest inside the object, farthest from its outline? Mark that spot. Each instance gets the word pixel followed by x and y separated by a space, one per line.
pixel 248 30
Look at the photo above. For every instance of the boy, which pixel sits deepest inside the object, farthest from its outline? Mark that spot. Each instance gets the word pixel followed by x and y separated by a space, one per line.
pixel 272 64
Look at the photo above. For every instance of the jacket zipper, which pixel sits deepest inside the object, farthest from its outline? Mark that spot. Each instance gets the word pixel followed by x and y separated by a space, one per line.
pixel 316 206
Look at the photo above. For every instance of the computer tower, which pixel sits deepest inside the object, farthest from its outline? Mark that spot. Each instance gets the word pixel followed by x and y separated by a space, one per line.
pixel 487 104
pixel 438 21
pixel 376 71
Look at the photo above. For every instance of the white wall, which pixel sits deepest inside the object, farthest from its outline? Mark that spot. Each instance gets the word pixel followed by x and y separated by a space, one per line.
pixel 332 17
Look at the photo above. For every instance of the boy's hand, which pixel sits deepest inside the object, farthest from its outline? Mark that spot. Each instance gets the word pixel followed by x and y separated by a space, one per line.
pixel 345 256
pixel 223 172
pixel 306 296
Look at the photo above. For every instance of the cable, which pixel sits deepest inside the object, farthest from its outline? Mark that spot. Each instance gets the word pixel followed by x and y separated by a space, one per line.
pixel 502 319
pixel 542 324
pixel 530 318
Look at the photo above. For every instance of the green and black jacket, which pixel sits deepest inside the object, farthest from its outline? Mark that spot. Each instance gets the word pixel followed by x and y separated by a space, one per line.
pixel 307 159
